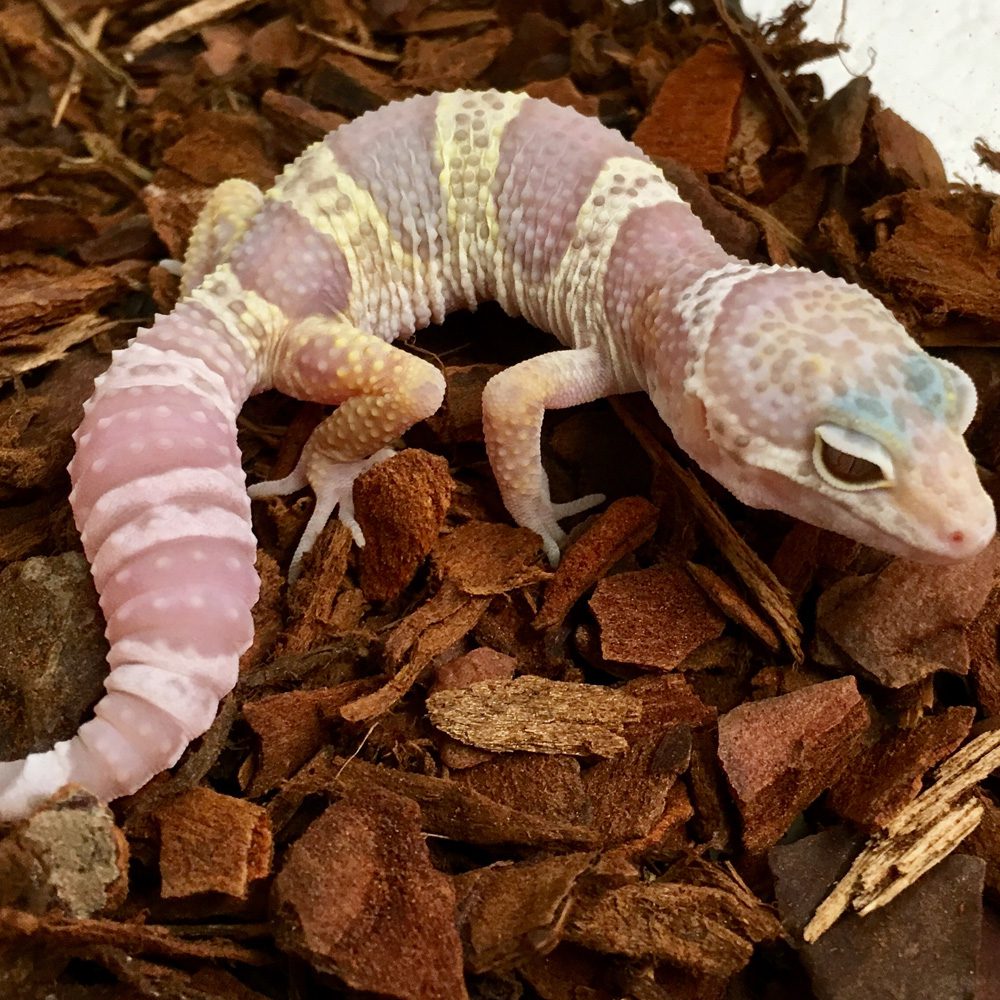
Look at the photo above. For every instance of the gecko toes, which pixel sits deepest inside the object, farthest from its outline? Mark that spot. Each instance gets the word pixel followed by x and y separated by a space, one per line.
pixel 571 507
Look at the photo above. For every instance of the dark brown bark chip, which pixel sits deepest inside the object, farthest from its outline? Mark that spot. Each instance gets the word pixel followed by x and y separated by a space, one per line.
pixel 983 639
pixel 907 620
pixel 780 753
pixel 888 775
pixel 449 808
pixel 667 700
pixel 545 785
pixel 835 131
pixel 939 261
pixel 908 155
pixel 628 794
pixel 709 928
pixel 291 728
pixel 357 897
pixel 984 841
pixel 733 605
pixel 511 912
pixel 924 943
pixel 461 415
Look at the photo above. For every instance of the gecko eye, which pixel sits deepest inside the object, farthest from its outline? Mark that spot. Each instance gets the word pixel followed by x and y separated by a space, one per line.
pixel 849 460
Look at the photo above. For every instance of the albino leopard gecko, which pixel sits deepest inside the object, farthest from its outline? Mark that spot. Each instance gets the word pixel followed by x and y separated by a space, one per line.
pixel 795 390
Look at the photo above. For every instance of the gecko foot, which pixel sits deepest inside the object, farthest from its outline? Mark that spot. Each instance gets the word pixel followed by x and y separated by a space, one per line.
pixel 545 522
pixel 333 484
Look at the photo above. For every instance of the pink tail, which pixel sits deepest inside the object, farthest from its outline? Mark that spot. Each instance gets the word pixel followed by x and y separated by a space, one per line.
pixel 160 500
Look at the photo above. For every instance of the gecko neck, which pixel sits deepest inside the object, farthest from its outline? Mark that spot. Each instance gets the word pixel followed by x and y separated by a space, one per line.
pixel 647 274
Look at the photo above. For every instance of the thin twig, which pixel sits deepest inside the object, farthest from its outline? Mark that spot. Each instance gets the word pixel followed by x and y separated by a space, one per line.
pixel 82 43
pixel 916 839
pixel 72 88
pixel 351 47
pixel 182 21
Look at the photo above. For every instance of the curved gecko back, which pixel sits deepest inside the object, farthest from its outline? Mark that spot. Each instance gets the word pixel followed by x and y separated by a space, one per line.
pixel 160 500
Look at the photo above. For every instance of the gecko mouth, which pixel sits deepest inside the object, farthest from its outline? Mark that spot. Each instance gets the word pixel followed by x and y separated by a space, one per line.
pixel 933 546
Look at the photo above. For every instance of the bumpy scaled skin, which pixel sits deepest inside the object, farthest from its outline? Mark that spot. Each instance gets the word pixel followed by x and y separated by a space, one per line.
pixel 794 389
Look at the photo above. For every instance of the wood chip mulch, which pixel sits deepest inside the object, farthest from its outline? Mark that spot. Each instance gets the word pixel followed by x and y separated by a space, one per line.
pixel 716 755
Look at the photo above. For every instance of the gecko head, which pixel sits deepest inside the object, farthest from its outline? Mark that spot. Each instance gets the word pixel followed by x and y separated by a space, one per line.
pixel 815 401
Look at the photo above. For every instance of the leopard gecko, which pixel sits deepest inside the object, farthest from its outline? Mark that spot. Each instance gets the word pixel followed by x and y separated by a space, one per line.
pixel 795 390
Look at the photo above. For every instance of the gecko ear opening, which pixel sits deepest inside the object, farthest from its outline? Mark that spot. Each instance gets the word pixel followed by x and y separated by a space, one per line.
pixel 851 461
pixel 962 395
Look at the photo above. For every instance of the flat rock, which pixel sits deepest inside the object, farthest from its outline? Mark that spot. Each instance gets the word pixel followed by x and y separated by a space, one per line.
pixel 924 943
pixel 54 651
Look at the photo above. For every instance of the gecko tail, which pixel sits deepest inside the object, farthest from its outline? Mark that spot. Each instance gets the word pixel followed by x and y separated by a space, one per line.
pixel 160 499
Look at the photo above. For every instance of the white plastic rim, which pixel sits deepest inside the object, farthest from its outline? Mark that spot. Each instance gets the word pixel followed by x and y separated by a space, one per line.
pixel 934 63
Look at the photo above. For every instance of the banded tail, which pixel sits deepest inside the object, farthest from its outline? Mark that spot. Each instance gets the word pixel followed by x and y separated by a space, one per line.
pixel 160 499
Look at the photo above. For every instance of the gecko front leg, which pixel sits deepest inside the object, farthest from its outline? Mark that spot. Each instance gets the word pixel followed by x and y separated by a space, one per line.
pixel 514 404
pixel 381 390
pixel 224 218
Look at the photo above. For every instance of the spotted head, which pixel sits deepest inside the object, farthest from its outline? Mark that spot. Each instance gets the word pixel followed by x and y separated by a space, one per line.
pixel 805 394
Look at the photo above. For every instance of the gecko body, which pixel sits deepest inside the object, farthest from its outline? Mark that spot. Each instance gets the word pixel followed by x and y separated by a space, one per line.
pixel 795 390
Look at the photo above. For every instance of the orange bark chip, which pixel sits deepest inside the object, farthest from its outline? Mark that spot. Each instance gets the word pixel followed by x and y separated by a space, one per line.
pixel 691 118
pixel 212 843
pixel 653 617
pixel 615 532
pixel 292 727
pixel 780 753
pixel 401 505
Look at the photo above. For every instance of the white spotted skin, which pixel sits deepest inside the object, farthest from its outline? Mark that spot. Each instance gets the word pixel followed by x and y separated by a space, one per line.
pixel 422 207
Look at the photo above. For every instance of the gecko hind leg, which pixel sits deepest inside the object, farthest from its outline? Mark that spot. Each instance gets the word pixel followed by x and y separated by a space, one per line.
pixel 381 390
pixel 514 404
